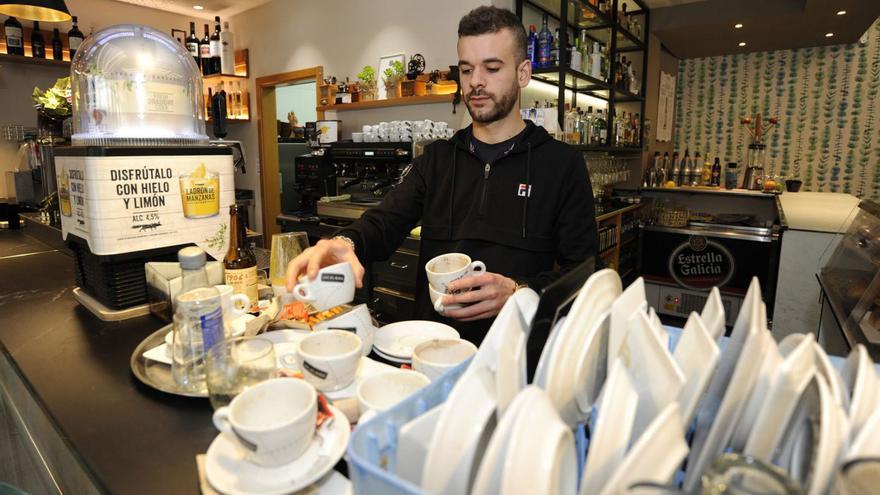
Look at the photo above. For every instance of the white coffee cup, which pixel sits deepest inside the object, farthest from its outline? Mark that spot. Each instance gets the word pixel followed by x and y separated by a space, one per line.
pixel 329 359
pixel 357 137
pixel 384 390
pixel 357 320
pixel 446 268
pixel 284 297
pixel 333 286
pixel 437 301
pixel 234 305
pixel 271 423
pixel 437 356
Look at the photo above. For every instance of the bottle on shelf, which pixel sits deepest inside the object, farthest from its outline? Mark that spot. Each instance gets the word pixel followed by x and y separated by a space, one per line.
pixel 696 170
pixel 684 171
pixel 596 61
pixel 578 126
pixel 584 48
pixel 637 130
pixel 14 36
pixel 215 47
pixel 706 179
pixel 241 114
pixel 623 16
pixel 198 321
pixel 545 43
pixel 576 56
pixel 716 173
pixel 240 263
pixel 731 179
pixel 665 164
pixel 205 53
pixel 601 127
pixel 227 50
pixel 38 44
pixel 587 136
pixel 74 38
pixel 554 50
pixel 569 125
pixel 533 46
pixel 57 45
pixel 650 179
pixel 192 44
pixel 675 175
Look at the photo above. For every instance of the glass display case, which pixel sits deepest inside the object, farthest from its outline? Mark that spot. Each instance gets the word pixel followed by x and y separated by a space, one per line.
pixel 133 85
pixel 851 285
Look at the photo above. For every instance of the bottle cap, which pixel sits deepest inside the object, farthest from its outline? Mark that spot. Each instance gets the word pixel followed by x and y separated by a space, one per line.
pixel 191 258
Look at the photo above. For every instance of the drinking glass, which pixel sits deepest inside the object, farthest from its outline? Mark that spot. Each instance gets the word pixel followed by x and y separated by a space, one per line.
pixel 236 364
pixel 739 474
pixel 285 247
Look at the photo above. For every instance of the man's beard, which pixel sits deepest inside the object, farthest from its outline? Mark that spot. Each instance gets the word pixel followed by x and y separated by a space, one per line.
pixel 501 105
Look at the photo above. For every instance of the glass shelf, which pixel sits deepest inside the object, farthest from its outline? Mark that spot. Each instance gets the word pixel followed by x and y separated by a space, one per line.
pixel 583 16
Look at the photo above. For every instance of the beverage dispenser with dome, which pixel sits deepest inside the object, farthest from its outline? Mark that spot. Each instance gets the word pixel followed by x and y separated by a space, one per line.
pixel 140 179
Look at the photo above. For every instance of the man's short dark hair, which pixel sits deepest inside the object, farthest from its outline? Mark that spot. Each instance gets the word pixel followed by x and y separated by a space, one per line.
pixel 488 19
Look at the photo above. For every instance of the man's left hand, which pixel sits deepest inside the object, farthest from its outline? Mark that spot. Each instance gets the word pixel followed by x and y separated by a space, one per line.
pixel 488 293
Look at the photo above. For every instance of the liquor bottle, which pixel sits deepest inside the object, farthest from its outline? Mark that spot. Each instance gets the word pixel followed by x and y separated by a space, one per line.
pixel 74 38
pixel 554 50
pixel 585 52
pixel 214 46
pixel 533 46
pixel 198 321
pixel 57 45
pixel 623 16
pixel 576 58
pixel 240 113
pixel 706 172
pixel 716 173
pixel 227 50
pixel 569 123
pixel 192 44
pixel 637 130
pixel 205 53
pixel 219 113
pixel 601 128
pixel 596 61
pixel 731 178
pixel 38 44
pixel 696 170
pixel 14 36
pixel 240 262
pixel 684 171
pixel 675 174
pixel 654 171
pixel 545 43
pixel 579 122
pixel 587 137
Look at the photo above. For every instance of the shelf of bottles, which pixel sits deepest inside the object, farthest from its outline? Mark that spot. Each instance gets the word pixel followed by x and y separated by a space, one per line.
pixel 235 86
pixel 26 42
pixel 601 52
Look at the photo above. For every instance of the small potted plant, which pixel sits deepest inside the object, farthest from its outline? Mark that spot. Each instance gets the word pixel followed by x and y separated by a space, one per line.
pixel 53 107
pixel 392 76
pixel 367 85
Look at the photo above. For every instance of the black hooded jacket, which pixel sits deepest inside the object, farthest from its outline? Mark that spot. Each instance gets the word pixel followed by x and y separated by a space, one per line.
pixel 524 215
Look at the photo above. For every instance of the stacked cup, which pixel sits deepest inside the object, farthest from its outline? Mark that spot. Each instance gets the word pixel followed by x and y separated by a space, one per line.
pixel 445 269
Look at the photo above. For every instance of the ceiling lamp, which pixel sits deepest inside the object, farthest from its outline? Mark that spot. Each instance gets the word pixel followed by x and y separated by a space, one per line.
pixel 36 10
pixel 738 26
pixel 742 43
pixel 841 12
pixel 828 35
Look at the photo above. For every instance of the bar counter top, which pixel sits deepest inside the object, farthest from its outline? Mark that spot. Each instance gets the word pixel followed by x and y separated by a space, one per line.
pixel 128 437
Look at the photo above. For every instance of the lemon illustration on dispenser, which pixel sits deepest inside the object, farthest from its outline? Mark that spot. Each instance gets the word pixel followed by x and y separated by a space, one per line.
pixel 200 193
pixel 64 193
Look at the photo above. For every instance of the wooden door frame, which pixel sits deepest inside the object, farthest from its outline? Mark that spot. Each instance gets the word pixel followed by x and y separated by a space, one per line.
pixel 267 130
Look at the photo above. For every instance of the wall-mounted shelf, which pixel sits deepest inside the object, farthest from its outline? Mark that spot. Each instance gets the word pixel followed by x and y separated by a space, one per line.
pixel 388 102
pixel 46 62
pixel 240 80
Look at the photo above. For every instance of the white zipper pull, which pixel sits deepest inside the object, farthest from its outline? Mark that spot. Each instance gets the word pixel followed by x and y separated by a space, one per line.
pixel 486 170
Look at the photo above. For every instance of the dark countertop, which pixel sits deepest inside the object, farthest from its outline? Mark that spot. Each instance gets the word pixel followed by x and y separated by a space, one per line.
pixel 131 438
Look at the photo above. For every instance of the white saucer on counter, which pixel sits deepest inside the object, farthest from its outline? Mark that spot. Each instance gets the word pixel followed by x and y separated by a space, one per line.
pixel 397 340
pixel 227 472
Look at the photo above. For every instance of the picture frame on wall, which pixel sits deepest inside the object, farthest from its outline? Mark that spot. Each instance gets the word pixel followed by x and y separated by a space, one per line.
pixel 385 63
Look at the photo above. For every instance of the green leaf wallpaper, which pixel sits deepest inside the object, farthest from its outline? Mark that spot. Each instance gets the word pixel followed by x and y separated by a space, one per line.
pixel 826 98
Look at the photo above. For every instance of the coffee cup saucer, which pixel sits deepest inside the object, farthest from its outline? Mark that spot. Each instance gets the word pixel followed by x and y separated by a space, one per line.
pixel 228 473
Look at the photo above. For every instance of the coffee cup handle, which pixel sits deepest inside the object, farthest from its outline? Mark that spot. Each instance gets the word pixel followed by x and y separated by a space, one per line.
pixel 221 420
pixel 303 292
pixel 438 306
pixel 366 416
pixel 476 266
pixel 241 303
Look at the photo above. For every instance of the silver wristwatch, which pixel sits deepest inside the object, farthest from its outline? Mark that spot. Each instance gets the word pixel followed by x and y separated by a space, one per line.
pixel 347 240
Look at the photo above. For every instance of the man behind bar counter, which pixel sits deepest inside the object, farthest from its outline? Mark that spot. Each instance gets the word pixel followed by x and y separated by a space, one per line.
pixel 502 191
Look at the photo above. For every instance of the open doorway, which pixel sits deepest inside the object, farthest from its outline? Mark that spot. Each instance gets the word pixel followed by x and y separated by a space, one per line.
pixel 280 98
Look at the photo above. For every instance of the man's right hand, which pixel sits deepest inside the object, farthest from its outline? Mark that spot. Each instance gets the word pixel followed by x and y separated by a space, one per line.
pixel 325 253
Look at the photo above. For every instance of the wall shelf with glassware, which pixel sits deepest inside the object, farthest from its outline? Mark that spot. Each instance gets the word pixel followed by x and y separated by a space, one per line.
pixel 623 36
pixel 388 102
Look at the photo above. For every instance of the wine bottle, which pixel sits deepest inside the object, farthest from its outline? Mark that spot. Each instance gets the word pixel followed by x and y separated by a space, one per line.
pixel 240 262
pixel 533 46
pixel 227 50
pixel 14 36
pixel 214 47
pixel 205 53
pixel 545 43
pixel 38 44
pixel 192 44
pixel 74 38
pixel 57 45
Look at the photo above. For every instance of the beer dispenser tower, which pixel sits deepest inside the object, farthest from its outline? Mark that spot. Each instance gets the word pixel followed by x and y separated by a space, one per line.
pixel 140 180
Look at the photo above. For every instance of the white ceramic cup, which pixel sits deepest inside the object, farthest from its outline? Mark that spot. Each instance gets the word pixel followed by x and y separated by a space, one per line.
pixel 437 356
pixel 333 286
pixel 357 320
pixel 271 423
pixel 234 305
pixel 284 297
pixel 446 268
pixel 357 137
pixel 380 392
pixel 329 359
pixel 437 301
